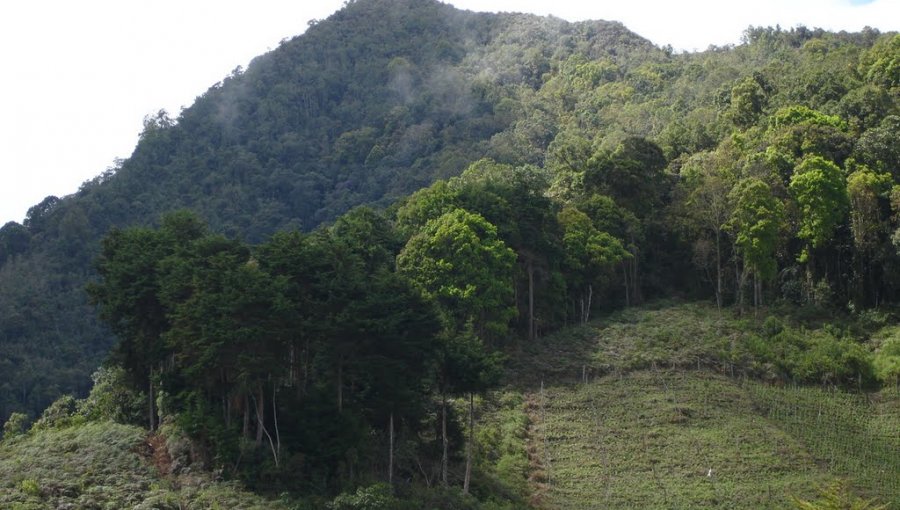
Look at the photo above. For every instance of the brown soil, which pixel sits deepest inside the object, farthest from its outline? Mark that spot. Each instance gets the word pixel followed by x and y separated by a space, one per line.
pixel 159 454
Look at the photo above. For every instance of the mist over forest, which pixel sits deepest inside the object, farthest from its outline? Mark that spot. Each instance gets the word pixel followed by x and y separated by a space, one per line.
pixel 413 261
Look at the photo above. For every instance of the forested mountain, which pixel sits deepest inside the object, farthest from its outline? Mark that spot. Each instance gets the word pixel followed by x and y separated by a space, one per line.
pixel 523 173
pixel 351 112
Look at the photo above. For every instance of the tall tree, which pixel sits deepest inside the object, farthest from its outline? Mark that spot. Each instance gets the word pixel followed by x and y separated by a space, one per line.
pixel 756 221
pixel 460 261
pixel 705 184
pixel 128 295
pixel 589 253
pixel 818 188
pixel 867 191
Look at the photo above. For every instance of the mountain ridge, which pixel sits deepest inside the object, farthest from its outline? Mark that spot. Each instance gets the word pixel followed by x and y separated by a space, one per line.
pixel 297 138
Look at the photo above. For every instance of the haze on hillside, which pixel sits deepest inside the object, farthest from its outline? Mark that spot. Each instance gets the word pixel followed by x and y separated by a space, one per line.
pixel 81 77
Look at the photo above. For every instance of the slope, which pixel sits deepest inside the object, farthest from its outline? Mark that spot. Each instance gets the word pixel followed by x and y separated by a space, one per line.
pixel 105 465
pixel 635 411
pixel 350 112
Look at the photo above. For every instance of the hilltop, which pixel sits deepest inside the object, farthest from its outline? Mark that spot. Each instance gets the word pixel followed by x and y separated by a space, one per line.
pixel 348 113
pixel 366 271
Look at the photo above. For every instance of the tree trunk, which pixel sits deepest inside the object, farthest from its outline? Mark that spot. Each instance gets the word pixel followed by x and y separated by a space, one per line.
pixel 225 412
pixel 246 424
pixel 755 294
pixel 590 298
pixel 305 366
pixel 444 439
pixel 152 406
pixel 260 416
pixel 625 279
pixel 810 276
pixel 471 444
pixel 391 453
pixel 275 423
pixel 718 271
pixel 530 268
pixel 635 286
pixel 340 386
pixel 742 282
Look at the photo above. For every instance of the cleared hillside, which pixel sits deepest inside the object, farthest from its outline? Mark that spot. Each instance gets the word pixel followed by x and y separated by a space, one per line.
pixel 108 465
pixel 621 419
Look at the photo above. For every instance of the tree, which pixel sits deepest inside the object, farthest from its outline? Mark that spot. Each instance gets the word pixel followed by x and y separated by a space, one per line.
pixel 865 190
pixel 818 188
pixel 589 253
pixel 747 101
pixel 756 221
pixel 395 351
pixel 632 174
pixel 14 240
pixel 707 182
pixel 460 261
pixel 225 333
pixel 514 200
pixel 128 295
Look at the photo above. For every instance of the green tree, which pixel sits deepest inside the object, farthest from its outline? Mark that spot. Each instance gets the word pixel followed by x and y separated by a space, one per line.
pixel 818 188
pixel 705 208
pixel 589 254
pixel 747 101
pixel 756 221
pixel 460 261
pixel 865 190
pixel 514 199
pixel 128 295
pixel 225 333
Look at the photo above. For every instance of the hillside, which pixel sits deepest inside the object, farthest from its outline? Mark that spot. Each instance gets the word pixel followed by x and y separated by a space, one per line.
pixel 107 465
pixel 346 114
pixel 589 427
pixel 520 176
pixel 639 410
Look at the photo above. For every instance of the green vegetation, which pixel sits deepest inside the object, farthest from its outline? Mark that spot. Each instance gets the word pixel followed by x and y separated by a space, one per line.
pixel 106 465
pixel 640 409
pixel 520 175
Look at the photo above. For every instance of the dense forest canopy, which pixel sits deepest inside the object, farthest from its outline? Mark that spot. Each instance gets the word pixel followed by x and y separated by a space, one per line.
pixel 533 171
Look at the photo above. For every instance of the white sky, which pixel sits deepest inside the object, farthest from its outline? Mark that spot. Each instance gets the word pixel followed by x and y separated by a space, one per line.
pixel 78 77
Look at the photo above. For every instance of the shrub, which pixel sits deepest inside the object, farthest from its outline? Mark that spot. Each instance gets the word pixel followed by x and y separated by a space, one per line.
pixel 111 399
pixel 887 361
pixel 375 497
pixel 816 357
pixel 15 425
pixel 62 413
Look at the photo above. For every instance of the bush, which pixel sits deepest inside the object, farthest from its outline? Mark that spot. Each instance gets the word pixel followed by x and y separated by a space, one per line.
pixel 816 357
pixel 887 361
pixel 375 497
pixel 111 399
pixel 15 425
pixel 60 414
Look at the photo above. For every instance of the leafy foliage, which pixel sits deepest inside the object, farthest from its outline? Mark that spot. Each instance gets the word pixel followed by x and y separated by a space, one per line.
pixel 561 168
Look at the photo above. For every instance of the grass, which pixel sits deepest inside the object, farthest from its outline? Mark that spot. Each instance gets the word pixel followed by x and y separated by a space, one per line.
pixel 641 410
pixel 668 439
pixel 104 466
pixel 856 437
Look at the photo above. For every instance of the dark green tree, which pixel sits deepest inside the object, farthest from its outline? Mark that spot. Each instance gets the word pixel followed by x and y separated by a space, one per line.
pixel 128 295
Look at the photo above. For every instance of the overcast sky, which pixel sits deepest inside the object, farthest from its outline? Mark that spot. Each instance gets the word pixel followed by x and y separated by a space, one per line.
pixel 78 77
